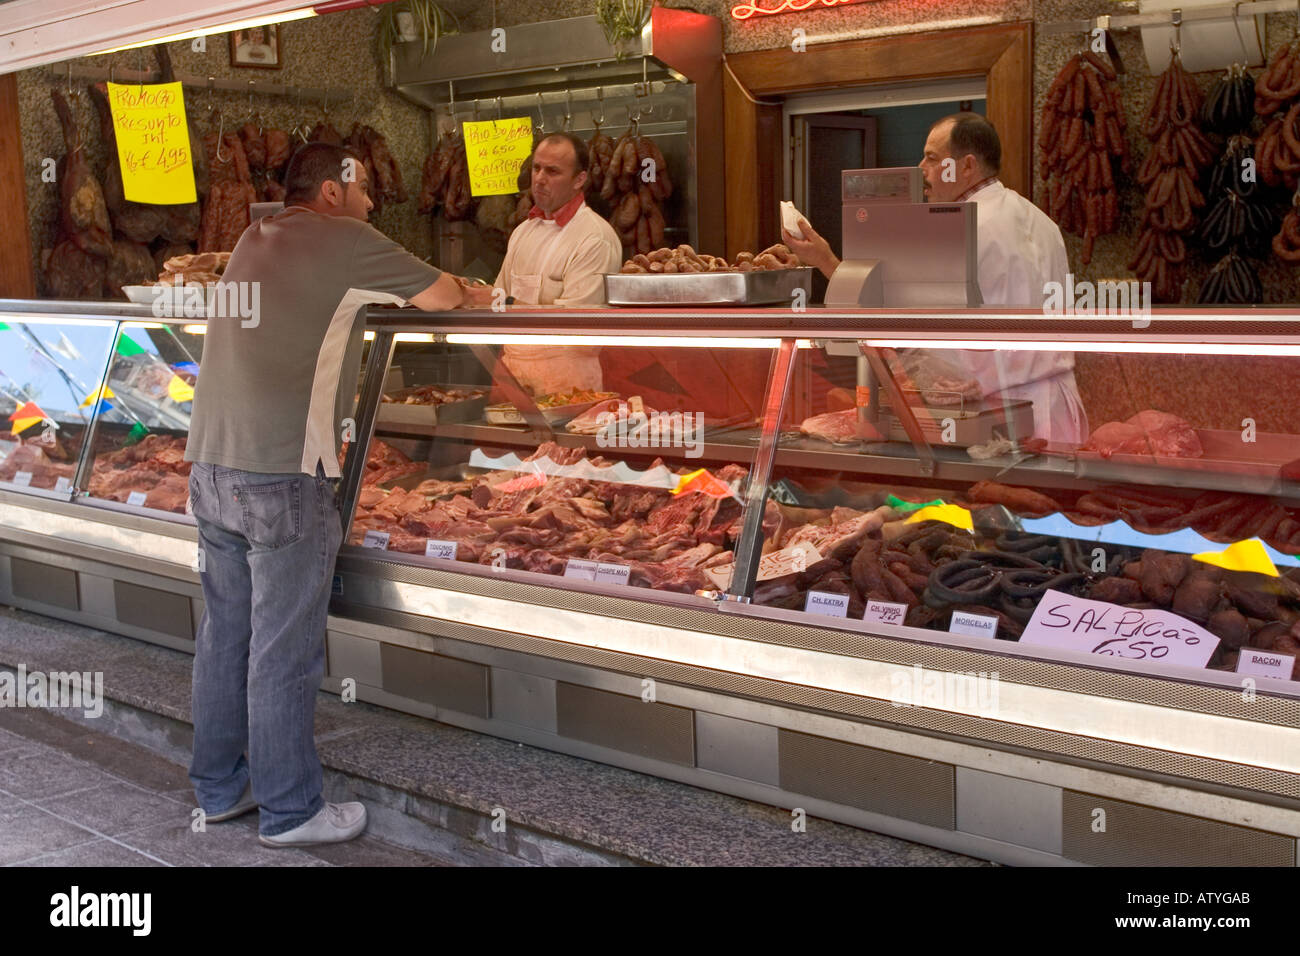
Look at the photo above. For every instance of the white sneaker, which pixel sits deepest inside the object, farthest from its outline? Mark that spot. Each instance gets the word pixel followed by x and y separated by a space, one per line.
pixel 336 823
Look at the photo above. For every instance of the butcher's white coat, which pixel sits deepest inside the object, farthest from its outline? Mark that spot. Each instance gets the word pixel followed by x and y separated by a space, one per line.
pixel 1019 251
pixel 561 266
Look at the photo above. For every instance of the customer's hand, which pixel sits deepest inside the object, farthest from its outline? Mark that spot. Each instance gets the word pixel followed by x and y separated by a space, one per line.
pixel 477 295
pixel 812 249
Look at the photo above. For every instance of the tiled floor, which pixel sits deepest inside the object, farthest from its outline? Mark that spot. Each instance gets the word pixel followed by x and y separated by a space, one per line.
pixel 71 797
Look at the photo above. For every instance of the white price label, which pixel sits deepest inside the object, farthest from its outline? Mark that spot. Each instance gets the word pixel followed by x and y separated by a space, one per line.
pixel 63 483
pixel 827 603
pixel 581 570
pixel 440 549
pixel 22 478
pixel 136 498
pixel 973 625
pixel 376 539
pixel 612 573
pixel 1265 663
pixel 885 612
pixel 1135 634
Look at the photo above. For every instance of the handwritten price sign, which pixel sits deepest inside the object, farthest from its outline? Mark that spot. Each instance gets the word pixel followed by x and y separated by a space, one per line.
pixel 153 143
pixel 1136 634
pixel 494 150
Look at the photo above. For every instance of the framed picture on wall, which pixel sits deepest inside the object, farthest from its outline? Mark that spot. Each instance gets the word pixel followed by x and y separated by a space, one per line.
pixel 258 47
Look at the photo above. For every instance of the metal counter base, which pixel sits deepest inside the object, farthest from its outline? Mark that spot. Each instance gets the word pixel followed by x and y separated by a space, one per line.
pixel 790 715
pixel 726 733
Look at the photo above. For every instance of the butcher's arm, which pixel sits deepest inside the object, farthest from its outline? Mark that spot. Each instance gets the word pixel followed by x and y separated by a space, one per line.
pixel 812 249
pixel 584 277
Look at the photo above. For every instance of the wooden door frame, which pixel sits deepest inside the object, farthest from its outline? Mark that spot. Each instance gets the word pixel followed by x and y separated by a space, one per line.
pixel 16 278
pixel 1002 54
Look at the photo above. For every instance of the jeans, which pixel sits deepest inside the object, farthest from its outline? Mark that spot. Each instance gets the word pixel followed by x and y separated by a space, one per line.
pixel 267 548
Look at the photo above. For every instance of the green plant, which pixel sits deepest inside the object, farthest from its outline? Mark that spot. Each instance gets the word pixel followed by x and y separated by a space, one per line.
pixel 622 19
pixel 431 22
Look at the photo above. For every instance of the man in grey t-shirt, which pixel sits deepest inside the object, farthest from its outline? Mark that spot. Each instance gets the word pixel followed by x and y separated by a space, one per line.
pixel 276 382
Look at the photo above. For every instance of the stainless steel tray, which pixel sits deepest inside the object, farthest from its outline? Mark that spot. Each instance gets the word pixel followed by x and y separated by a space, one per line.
pixel 769 287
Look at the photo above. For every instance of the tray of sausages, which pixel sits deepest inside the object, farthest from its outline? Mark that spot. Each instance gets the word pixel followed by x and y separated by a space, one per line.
pixel 682 276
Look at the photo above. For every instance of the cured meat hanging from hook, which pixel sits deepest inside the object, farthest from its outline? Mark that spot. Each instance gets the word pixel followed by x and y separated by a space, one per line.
pixel 1083 149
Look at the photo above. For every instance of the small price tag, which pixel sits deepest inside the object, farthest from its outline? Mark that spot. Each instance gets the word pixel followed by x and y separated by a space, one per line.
pixel 22 478
pixel 612 573
pixel 973 625
pixel 376 539
pixel 1265 663
pixel 862 395
pixel 440 549
pixel 885 612
pixel 827 603
pixel 581 570
pixel 63 483
pixel 136 499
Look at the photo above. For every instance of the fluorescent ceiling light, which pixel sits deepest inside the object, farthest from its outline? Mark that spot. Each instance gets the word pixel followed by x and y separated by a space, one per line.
pixel 1049 345
pixel 413 337
pixel 302 13
pixel 32 318
pixel 194 329
pixel 652 341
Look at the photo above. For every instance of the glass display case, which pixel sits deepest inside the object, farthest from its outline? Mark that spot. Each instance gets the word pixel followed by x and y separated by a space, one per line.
pixel 619 468
pixel 50 370
pixel 1112 499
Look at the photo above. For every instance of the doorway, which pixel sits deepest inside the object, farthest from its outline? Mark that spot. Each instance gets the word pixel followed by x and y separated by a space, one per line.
pixel 860 129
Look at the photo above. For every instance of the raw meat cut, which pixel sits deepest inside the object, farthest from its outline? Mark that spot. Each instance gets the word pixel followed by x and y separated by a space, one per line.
pixel 32 459
pixel 840 427
pixel 591 423
pixel 1146 433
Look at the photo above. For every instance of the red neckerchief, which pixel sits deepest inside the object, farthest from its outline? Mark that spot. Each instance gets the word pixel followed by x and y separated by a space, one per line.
pixel 562 215
pixel 976 188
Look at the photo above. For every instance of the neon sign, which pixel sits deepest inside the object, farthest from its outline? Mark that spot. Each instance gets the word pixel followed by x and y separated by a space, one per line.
pixel 743 11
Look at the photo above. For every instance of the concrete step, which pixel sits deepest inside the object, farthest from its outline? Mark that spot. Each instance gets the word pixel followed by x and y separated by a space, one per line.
pixel 456 795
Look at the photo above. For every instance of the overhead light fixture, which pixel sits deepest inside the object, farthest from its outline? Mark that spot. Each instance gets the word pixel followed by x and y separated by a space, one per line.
pixel 36 318
pixel 301 13
pixel 1060 345
pixel 194 329
pixel 647 341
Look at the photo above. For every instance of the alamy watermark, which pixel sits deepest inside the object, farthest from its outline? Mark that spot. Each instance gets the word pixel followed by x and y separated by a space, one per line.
pixel 652 430
pixel 58 690
pixel 1129 298
pixel 217 300
pixel 960 690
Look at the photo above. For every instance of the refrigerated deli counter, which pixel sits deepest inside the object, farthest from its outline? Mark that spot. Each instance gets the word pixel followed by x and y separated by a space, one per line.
pixel 807 558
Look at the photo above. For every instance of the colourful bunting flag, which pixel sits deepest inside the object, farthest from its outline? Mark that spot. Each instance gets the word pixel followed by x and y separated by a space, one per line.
pixel 180 390
pixel 127 346
pixel 27 415
pixel 137 432
pixel 104 392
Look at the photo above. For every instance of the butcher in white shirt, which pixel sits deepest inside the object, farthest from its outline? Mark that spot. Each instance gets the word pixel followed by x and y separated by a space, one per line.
pixel 1019 251
pixel 558 256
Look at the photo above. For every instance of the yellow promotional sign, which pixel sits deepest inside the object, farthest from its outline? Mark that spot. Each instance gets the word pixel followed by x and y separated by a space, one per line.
pixel 153 142
pixel 495 151
pixel 1248 555
pixel 955 515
